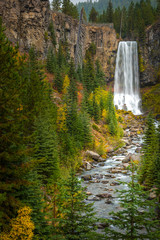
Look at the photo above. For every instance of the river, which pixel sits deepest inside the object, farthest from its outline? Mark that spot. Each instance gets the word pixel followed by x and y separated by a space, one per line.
pixel 105 177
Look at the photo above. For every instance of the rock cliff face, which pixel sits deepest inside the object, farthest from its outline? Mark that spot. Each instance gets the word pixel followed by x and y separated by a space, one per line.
pixel 150 56
pixel 103 36
pixel 26 22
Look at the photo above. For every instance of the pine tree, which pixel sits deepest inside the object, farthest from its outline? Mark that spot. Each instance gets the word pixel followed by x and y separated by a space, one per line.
pixel 100 76
pixel 78 221
pixel 56 5
pixel 93 15
pixel 70 9
pixel 46 147
pixel 58 80
pixel 96 110
pixel 149 157
pixel 111 115
pixel 110 12
pixel 12 143
pixel 51 61
pixel 52 33
pixel 137 213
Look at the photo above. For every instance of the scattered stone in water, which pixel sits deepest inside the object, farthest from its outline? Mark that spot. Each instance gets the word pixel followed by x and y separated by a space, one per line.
pixel 108 175
pixel 86 177
pixel 94 181
pixel 108 201
pixel 102 225
pixel 95 198
pixel 88 193
pixel 104 195
pixel 101 164
pixel 101 159
pixel 114 183
pixel 104 181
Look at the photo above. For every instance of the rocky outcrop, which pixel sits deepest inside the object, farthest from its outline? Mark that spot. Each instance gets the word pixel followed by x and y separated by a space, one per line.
pixel 26 22
pixel 102 35
pixel 150 56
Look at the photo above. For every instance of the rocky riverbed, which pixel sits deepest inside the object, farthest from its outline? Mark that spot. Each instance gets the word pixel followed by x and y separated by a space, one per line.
pixel 103 175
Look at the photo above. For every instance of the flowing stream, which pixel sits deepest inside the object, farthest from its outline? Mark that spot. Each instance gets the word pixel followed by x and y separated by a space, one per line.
pixel 104 180
pixel 126 87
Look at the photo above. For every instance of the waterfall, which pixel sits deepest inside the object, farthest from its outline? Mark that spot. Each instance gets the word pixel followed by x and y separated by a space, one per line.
pixel 126 86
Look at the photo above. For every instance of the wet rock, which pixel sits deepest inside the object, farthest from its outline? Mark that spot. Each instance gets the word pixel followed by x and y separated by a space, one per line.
pixel 104 181
pixel 94 181
pixel 126 141
pixel 95 198
pixel 104 195
pixel 88 193
pixel 87 177
pixel 153 194
pixel 114 183
pixel 124 171
pixel 95 156
pixel 102 225
pixel 108 175
pixel 127 158
pixel 87 166
pixel 138 150
pixel 101 164
pixel 125 165
pixel 108 201
pixel 135 157
pixel 100 159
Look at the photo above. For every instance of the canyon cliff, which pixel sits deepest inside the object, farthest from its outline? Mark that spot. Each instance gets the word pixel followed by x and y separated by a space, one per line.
pixel 150 56
pixel 27 24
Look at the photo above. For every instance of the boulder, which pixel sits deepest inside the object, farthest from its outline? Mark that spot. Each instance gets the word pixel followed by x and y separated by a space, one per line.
pixel 104 181
pixel 127 158
pixel 100 159
pixel 138 150
pixel 108 201
pixel 104 195
pixel 114 183
pixel 87 177
pixel 95 156
pixel 93 198
pixel 87 166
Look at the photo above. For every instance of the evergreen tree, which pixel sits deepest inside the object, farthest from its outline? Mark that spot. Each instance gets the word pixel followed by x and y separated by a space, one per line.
pixel 158 8
pixel 150 148
pixel 51 61
pixel 56 5
pixel 12 143
pixel 72 90
pixel 93 15
pixel 100 77
pixel 46 147
pixel 96 110
pixel 129 222
pixel 58 80
pixel 78 221
pixel 111 115
pixel 70 9
pixel 52 32
pixel 110 12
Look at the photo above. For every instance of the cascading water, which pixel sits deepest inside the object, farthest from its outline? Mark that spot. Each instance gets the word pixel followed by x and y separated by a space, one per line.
pixel 126 87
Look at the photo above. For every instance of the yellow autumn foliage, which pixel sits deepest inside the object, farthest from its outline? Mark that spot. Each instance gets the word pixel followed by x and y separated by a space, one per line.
pixel 22 226
pixel 61 119
pixel 66 83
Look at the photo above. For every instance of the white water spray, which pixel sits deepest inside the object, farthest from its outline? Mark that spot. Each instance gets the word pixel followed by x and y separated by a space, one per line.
pixel 126 86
